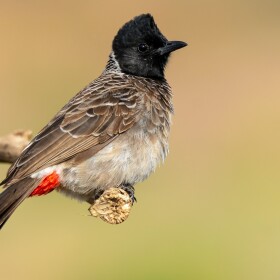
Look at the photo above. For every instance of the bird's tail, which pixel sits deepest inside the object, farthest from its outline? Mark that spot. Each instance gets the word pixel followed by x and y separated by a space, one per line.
pixel 13 196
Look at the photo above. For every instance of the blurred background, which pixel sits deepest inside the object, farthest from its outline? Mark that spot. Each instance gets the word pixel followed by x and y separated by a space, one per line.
pixel 212 210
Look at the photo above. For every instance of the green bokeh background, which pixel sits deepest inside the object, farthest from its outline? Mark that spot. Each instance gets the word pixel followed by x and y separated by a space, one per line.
pixel 212 210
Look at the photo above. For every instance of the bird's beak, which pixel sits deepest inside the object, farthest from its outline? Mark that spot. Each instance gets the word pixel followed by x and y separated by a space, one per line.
pixel 171 46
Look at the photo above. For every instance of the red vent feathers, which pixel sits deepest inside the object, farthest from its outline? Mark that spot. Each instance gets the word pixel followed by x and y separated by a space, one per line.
pixel 47 185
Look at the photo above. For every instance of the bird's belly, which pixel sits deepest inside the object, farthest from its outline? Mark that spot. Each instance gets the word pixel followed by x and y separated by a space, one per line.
pixel 130 158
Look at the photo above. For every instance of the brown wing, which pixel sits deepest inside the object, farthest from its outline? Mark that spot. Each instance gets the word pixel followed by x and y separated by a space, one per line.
pixel 93 118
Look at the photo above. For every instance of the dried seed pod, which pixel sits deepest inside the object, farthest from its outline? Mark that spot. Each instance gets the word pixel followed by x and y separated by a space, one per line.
pixel 113 206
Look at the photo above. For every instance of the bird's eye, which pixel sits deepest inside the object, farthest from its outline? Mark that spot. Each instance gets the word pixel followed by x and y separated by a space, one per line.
pixel 143 47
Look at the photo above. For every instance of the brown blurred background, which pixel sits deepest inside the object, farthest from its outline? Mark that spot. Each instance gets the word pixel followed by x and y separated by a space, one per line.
pixel 212 210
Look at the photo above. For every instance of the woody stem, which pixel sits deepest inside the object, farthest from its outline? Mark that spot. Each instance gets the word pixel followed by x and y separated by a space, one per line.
pixel 11 145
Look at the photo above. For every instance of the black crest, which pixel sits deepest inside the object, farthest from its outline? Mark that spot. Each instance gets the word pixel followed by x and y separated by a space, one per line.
pixel 140 48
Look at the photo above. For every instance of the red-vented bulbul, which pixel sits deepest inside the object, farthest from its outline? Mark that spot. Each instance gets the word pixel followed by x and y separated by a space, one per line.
pixel 113 133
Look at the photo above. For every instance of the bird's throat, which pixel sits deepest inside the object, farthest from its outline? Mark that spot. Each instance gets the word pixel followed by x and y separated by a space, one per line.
pixel 48 184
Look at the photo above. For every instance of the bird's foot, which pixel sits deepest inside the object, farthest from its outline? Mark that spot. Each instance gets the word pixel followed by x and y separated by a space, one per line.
pixel 130 190
pixel 113 206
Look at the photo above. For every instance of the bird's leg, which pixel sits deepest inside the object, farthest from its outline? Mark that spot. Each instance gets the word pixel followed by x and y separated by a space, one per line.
pixel 95 195
pixel 130 190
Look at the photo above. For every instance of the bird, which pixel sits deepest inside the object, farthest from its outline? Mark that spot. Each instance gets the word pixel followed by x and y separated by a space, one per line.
pixel 113 133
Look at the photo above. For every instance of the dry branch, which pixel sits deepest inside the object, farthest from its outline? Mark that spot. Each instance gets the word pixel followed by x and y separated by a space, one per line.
pixel 11 145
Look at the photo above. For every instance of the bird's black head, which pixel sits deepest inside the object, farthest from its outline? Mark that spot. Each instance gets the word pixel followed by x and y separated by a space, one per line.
pixel 141 49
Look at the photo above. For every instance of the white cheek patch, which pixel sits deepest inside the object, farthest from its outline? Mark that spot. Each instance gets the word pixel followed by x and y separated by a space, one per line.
pixel 45 172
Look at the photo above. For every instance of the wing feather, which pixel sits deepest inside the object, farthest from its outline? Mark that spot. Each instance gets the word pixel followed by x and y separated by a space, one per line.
pixel 93 118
